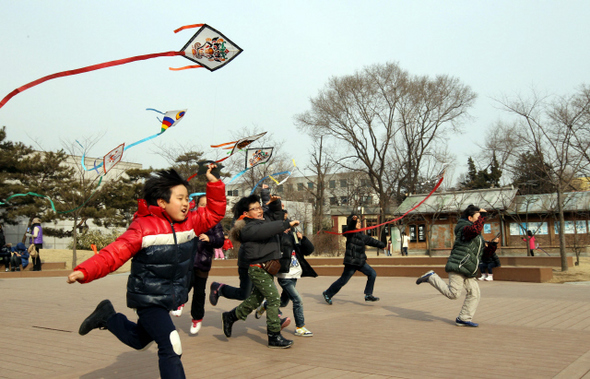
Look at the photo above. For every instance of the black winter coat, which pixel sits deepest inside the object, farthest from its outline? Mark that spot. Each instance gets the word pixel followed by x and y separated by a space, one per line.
pixel 355 245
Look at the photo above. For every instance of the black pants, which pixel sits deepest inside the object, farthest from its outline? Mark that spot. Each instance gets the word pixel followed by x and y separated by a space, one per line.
pixel 199 285
pixel 5 259
pixel 241 293
pixel 153 324
pixel 37 259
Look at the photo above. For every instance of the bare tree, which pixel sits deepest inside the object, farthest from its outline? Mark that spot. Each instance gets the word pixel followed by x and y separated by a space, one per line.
pixel 369 109
pixel 428 110
pixel 548 128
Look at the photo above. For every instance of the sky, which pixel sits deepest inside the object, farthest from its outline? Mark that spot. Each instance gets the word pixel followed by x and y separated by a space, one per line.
pixel 291 50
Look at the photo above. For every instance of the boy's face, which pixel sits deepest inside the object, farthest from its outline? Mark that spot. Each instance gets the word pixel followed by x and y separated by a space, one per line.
pixel 177 208
pixel 255 211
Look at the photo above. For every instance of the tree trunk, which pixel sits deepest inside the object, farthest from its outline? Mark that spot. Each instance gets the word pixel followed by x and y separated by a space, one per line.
pixel 75 243
pixel 562 251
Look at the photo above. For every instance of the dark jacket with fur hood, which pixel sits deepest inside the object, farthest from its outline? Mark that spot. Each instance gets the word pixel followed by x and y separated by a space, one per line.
pixel 259 240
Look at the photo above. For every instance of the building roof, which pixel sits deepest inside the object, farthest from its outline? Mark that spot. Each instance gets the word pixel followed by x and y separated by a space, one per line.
pixel 547 202
pixel 457 201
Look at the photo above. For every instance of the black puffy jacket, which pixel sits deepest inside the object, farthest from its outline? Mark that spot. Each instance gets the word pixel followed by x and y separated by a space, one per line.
pixel 355 245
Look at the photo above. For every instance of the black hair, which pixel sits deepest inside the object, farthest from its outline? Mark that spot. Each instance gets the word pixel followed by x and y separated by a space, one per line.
pixel 470 211
pixel 243 205
pixel 159 186
pixel 529 233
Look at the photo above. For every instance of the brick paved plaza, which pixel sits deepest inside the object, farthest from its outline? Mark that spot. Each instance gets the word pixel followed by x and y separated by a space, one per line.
pixel 527 330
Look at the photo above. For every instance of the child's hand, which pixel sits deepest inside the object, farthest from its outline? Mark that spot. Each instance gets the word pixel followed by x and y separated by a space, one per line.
pixel 210 177
pixel 294 223
pixel 264 186
pixel 204 237
pixel 299 235
pixel 75 276
pixel 274 198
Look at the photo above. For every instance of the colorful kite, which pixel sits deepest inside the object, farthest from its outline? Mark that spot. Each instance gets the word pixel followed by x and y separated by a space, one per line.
pixel 238 145
pixel 171 118
pixel 208 48
pixel 254 157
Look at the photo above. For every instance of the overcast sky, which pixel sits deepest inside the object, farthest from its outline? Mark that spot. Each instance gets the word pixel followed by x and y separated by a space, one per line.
pixel 291 49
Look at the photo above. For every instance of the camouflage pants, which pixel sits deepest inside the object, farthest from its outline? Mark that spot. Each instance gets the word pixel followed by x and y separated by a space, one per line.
pixel 264 288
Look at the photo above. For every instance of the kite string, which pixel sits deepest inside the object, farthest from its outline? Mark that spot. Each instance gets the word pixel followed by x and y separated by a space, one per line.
pixel 390 221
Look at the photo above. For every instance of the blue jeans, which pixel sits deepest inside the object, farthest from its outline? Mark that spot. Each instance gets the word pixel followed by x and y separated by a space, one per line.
pixel 153 324
pixel 291 293
pixel 483 267
pixel 240 293
pixel 348 273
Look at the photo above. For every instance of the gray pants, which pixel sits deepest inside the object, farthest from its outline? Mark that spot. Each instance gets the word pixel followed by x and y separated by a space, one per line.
pixel 453 290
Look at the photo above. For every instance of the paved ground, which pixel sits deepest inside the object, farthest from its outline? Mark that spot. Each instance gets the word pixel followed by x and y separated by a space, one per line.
pixel 526 331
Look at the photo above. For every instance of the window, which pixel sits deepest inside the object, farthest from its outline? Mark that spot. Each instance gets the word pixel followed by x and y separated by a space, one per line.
pixel 236 193
pixel 343 200
pixel 333 201
pixel 343 183
pixel 310 185
pixel 332 184
pixel 365 183
pixel 422 233
pixel 280 189
pixel 367 200
pixel 300 187
pixel 413 233
pixel 290 187
pixel 229 193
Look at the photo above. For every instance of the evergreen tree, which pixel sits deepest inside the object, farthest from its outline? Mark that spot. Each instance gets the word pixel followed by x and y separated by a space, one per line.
pixel 533 176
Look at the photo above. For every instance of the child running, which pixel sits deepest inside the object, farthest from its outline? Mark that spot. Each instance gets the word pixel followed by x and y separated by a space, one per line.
pixel 160 243
pixel 259 237
pixel 355 260
pixel 463 263
pixel 294 248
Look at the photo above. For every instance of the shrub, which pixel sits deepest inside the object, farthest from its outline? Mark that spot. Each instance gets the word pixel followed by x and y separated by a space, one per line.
pixel 96 237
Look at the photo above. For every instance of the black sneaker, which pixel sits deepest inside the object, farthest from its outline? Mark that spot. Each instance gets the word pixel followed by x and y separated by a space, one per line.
pixel 214 293
pixel 371 298
pixel 98 318
pixel 327 298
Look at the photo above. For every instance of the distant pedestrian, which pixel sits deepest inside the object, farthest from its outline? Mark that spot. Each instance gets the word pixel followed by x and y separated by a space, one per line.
pixel 530 239
pixel 35 234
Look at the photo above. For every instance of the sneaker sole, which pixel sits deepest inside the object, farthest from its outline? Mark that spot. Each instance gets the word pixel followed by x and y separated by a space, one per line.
pixel 304 335
pixel 279 347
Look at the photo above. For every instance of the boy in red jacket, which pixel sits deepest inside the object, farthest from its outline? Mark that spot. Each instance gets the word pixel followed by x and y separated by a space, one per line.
pixel 160 243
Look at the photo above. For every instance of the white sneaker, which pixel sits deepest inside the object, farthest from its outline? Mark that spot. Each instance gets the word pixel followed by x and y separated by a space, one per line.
pixel 177 312
pixel 303 332
pixel 196 326
pixel 483 277
pixel 260 310
pixel 490 278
